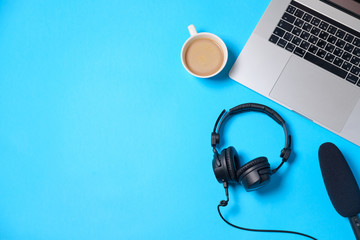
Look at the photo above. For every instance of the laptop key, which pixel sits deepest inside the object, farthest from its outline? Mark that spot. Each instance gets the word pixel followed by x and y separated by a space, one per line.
pixel 332 29
pixel 355 60
pixel 346 66
pixel 307 17
pixel 323 35
pixel 299 13
pixel 273 38
pixel 290 47
pixel 352 78
pixel 315 31
pixel 349 47
pixel 356 42
pixel 288 17
pixel 288 36
pixel 307 27
pixel 285 25
pixel 332 39
pixel 340 43
pixel 355 70
pixel 340 33
pixel 305 35
pixel 279 32
pixel 296 31
pixel 291 9
pixel 346 56
pixel 349 38
pixel 321 53
pixel 296 40
pixel 321 43
pixel 315 21
pixel 313 39
pixel 300 52
pixel 338 52
pixel 323 25
pixel 299 23
pixel 313 49
pixel 338 62
pixel 329 47
pixel 356 52
pixel 305 45
pixel 327 66
pixel 329 57
pixel 282 43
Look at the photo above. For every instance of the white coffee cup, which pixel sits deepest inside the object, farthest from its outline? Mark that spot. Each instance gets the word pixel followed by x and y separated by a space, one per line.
pixel 194 35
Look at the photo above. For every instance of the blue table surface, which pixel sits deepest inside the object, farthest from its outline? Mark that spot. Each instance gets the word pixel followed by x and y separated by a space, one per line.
pixel 104 135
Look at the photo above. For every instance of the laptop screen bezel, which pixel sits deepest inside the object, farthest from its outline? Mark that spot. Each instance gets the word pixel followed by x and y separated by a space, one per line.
pixel 342 8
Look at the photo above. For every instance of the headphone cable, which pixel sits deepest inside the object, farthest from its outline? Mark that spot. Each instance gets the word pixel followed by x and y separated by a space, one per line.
pixel 224 203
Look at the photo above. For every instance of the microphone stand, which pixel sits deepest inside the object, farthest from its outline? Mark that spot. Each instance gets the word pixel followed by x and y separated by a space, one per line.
pixel 355 225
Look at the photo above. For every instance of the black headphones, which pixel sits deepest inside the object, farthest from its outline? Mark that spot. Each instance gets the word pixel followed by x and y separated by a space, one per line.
pixel 256 173
pixel 252 175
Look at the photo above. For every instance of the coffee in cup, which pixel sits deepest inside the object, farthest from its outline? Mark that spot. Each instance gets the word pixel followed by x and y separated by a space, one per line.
pixel 203 54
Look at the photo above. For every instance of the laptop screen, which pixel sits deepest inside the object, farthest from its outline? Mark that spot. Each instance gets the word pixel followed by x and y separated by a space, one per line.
pixel 350 6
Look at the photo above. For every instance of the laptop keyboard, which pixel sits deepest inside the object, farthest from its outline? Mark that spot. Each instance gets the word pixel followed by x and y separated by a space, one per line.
pixel 320 40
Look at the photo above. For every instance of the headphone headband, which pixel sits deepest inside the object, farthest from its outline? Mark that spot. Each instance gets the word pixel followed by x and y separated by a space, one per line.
pixel 258 108
pixel 248 107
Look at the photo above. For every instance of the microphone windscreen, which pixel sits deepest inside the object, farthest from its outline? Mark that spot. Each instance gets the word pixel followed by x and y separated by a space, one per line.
pixel 339 181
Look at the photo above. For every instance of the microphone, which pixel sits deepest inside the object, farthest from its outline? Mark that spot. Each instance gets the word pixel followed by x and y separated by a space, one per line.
pixel 340 184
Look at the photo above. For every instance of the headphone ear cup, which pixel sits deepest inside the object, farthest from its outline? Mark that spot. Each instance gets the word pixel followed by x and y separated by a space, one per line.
pixel 219 167
pixel 231 157
pixel 254 174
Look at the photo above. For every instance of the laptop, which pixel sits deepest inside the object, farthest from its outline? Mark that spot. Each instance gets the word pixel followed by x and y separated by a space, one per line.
pixel 305 55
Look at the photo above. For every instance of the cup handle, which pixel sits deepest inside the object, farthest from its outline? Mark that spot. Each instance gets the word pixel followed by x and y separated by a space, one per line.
pixel 192 30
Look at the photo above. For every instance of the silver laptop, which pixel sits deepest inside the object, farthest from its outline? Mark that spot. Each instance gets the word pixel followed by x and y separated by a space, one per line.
pixel 305 55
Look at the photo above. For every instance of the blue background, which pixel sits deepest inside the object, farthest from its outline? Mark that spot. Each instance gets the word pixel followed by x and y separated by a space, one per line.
pixel 104 135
